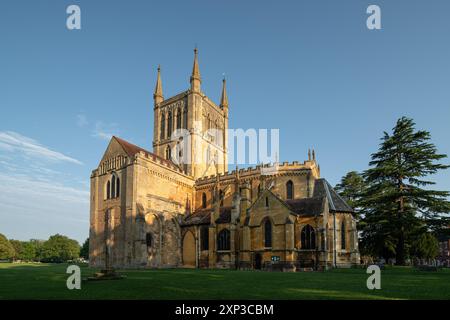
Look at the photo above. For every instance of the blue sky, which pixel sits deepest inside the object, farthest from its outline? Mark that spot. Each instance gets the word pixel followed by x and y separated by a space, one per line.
pixel 310 68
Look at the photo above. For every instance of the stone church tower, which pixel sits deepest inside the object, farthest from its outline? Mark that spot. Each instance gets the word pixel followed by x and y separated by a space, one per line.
pixel 202 125
pixel 179 206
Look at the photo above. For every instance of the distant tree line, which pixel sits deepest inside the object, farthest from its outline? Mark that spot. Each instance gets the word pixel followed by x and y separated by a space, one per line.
pixel 56 249
pixel 399 214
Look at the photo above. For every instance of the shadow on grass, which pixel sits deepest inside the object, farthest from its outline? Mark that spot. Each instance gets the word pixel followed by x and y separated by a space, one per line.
pixel 48 281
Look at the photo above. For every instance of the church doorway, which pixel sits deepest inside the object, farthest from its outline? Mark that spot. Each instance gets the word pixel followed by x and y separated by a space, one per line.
pixel 189 250
pixel 257 262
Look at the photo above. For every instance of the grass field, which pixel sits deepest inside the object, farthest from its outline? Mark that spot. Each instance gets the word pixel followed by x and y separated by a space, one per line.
pixel 46 281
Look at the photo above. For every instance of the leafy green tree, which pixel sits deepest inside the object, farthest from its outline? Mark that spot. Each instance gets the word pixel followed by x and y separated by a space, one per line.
pixel 6 248
pixel 351 188
pixel 59 248
pixel 29 251
pixel 426 246
pixel 84 252
pixel 399 202
pixel 37 246
pixel 18 249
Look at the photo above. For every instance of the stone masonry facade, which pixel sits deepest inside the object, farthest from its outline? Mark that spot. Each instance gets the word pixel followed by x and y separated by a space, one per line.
pixel 151 210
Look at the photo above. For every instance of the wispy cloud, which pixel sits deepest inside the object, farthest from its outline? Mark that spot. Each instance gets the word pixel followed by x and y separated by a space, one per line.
pixel 100 130
pixel 82 120
pixel 41 191
pixel 31 208
pixel 14 142
pixel 104 131
pixel 28 187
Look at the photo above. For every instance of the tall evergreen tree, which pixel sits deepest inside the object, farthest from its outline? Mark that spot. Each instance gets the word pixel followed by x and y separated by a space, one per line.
pixel 84 252
pixel 399 202
pixel 351 188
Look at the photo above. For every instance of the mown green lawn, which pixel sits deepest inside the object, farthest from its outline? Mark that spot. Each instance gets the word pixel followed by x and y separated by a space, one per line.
pixel 47 281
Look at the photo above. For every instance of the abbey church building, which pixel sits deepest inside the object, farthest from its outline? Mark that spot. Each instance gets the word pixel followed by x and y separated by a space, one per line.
pixel 153 210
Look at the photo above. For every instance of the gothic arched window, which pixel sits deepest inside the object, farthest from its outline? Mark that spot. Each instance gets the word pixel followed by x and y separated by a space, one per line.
pixel 308 237
pixel 267 202
pixel 219 133
pixel 204 238
pixel 289 190
pixel 168 153
pixel 178 119
pixel 343 238
pixel 113 187
pixel 221 197
pixel 169 124
pixel 163 126
pixel 108 190
pixel 185 118
pixel 149 240
pixel 203 200
pixel 208 156
pixel 118 187
pixel 216 132
pixel 223 240
pixel 267 233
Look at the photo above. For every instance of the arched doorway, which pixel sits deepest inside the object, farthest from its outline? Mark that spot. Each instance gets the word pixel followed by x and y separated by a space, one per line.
pixel 257 262
pixel 189 250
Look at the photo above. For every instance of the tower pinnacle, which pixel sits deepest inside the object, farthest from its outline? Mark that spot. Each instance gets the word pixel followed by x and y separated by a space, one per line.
pixel 158 95
pixel 195 77
pixel 224 98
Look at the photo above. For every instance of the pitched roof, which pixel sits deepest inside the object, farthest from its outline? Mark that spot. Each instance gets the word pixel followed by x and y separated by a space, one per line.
pixel 273 194
pixel 224 215
pixel 323 189
pixel 307 206
pixel 203 216
pixel 198 217
pixel 132 149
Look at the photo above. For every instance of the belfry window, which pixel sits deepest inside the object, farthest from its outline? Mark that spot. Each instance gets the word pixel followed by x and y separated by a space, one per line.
pixel 108 190
pixel 163 126
pixel 216 132
pixel 308 237
pixel 223 240
pixel 113 187
pixel 267 233
pixel 169 124
pixel 221 197
pixel 343 238
pixel 204 238
pixel 208 156
pixel 185 118
pixel 203 200
pixel 289 190
pixel 179 119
